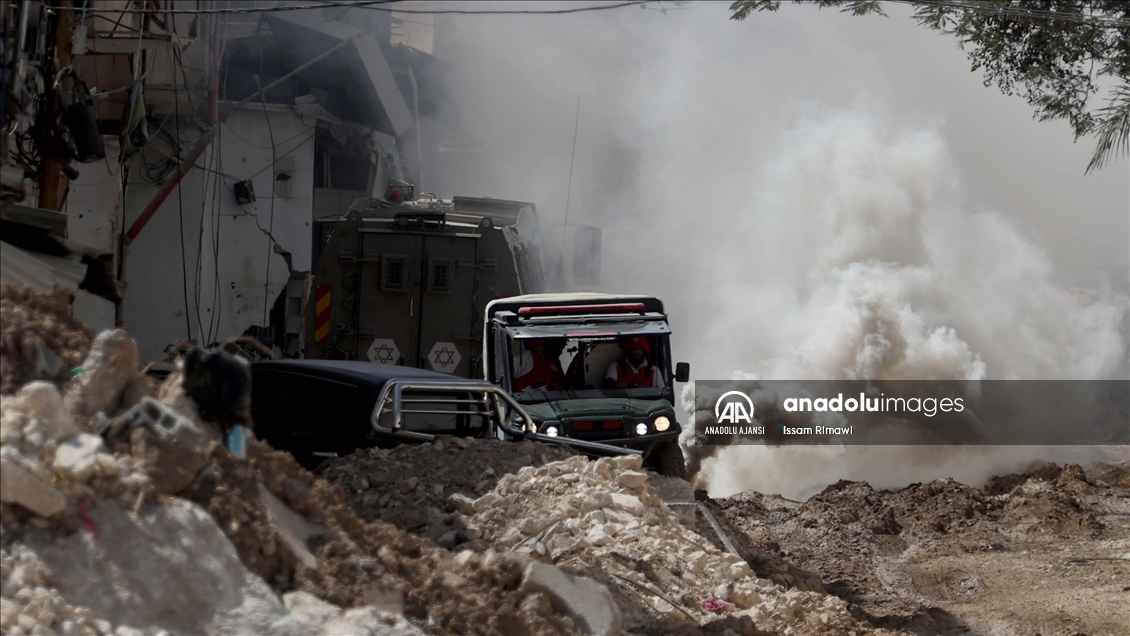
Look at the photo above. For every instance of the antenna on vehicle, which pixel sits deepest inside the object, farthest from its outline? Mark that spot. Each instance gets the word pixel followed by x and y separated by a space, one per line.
pixel 569 191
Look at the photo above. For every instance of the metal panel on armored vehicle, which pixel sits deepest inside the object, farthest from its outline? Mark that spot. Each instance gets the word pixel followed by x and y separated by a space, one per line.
pixel 408 283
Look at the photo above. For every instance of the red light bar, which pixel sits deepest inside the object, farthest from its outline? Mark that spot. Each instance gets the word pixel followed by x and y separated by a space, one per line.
pixel 611 424
pixel 582 426
pixel 579 309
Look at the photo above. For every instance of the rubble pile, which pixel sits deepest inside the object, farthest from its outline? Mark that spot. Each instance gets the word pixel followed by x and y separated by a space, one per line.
pixel 154 527
pixel 600 518
pixel 850 517
pixel 347 562
pixel 408 486
pixel 122 513
pixel 38 337
pixel 850 532
pixel 766 563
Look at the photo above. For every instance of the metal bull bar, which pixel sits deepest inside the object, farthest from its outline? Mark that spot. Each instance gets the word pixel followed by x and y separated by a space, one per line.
pixel 392 399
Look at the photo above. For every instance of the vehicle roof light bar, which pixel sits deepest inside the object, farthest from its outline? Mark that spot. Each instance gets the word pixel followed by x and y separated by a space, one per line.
pixel 579 309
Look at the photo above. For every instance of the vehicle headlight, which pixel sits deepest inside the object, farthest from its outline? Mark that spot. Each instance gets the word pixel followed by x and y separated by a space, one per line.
pixel 641 428
pixel 662 423
pixel 551 431
pixel 532 427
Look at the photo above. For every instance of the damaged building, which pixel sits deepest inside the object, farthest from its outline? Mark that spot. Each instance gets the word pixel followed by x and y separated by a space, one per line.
pixel 224 138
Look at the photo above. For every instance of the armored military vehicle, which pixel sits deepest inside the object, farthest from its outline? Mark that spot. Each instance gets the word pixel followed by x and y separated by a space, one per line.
pixel 407 283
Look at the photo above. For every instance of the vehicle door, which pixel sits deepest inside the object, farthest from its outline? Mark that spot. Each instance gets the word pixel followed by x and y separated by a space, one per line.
pixel 389 315
pixel 449 324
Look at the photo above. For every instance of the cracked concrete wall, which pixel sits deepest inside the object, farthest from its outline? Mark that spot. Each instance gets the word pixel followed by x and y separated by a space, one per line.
pixel 232 271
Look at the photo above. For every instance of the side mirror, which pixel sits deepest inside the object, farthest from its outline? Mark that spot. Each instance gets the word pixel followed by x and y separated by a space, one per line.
pixel 682 372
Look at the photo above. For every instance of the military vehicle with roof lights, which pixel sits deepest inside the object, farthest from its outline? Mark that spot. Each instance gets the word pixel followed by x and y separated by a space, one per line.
pixel 594 367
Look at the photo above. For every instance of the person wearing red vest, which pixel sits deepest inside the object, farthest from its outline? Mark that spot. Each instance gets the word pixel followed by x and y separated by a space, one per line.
pixel 634 370
pixel 534 370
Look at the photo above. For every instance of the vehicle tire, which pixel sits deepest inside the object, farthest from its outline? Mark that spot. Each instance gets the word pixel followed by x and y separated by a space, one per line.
pixel 669 461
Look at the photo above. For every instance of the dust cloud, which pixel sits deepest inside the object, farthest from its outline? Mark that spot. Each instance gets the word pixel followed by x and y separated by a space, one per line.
pixel 871 267
pixel 811 207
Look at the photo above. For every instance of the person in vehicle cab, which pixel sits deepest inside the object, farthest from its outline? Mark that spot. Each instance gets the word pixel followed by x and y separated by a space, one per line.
pixel 634 369
pixel 536 368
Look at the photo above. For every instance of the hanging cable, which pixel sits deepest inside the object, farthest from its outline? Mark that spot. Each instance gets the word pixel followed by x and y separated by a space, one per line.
pixel 376 5
pixel 180 203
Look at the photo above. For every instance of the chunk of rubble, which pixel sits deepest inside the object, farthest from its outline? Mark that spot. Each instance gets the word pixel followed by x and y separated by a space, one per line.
pixel 293 528
pixel 631 479
pixel 78 457
pixel 165 421
pixel 310 610
pixel 171 466
pixel 588 603
pixel 462 503
pixel 19 486
pixel 364 621
pixel 629 503
pixel 46 419
pixel 170 568
pixel 110 368
pixel 615 526
pixel 171 445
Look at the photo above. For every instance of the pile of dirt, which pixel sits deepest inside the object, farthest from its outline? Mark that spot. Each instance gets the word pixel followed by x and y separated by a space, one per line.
pixel 162 507
pixel 116 505
pixel 358 563
pixel 601 518
pixel 408 486
pixel 869 545
pixel 38 337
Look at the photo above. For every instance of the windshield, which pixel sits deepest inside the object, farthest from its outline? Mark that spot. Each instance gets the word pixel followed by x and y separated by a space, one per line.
pixel 606 366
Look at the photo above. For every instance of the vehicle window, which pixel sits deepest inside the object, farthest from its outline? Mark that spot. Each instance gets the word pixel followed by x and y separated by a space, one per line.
pixel 548 365
pixel 394 272
pixel 285 402
pixel 441 274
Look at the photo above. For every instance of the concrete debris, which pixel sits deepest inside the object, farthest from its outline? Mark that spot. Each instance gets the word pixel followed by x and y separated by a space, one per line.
pixel 166 422
pixel 369 621
pixel 414 486
pixel 582 599
pixel 587 517
pixel 172 394
pixel 158 529
pixel 310 610
pixel 19 486
pixel 293 529
pixel 110 369
pixel 38 337
pixel 78 457
pixel 36 416
pixel 193 584
pixel 171 465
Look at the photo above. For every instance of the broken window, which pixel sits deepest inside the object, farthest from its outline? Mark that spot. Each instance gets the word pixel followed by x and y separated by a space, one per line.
pixel 284 176
pixel 349 172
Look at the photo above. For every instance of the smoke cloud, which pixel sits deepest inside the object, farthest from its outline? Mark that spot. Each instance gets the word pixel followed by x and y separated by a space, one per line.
pixel 811 205
pixel 865 264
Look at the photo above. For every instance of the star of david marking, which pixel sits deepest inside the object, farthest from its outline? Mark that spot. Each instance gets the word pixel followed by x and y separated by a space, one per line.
pixel 444 357
pixel 383 354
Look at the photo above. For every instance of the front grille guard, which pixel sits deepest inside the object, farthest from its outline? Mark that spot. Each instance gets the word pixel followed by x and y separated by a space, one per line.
pixel 392 400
